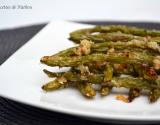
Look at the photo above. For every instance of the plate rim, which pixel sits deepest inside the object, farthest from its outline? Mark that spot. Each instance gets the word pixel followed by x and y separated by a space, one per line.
pixel 53 108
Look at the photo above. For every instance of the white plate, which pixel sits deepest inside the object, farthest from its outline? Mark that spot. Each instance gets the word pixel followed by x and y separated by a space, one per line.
pixel 21 78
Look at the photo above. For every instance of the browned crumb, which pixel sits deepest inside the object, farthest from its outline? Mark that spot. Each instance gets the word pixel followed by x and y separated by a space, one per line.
pixel 62 80
pixel 122 98
pixel 84 48
pixel 120 66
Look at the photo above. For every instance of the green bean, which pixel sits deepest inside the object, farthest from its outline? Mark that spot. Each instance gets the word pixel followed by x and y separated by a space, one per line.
pixel 102 37
pixel 154 95
pixel 112 33
pixel 86 89
pixel 67 52
pixel 134 58
pixel 130 44
pixel 105 90
pixel 52 74
pixel 131 82
pixel 152 47
pixel 128 30
pixel 133 93
pixel 108 73
pixel 52 85
pixel 127 82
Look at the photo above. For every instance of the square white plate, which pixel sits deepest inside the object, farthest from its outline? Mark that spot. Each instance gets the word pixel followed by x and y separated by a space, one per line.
pixel 21 78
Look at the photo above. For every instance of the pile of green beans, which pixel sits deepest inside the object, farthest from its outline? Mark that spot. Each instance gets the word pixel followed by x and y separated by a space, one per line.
pixel 109 56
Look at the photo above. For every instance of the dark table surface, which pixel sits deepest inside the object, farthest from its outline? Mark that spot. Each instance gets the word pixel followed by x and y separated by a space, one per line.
pixel 13 113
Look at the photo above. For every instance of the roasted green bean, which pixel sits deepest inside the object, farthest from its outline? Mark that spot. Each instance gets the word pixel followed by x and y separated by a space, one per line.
pixel 111 56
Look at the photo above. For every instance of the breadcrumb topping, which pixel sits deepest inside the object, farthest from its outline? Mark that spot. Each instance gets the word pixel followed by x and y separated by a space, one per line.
pixel 156 62
pixel 122 98
pixel 84 48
